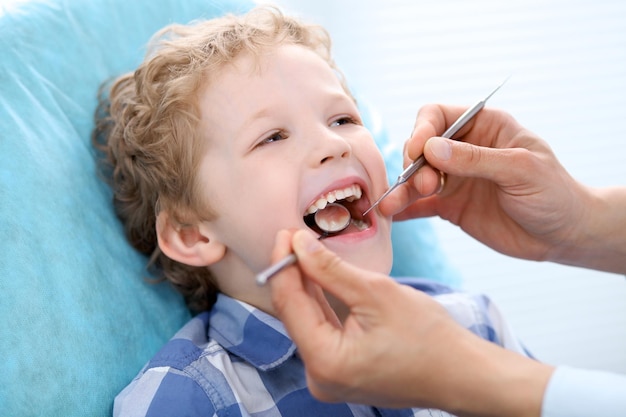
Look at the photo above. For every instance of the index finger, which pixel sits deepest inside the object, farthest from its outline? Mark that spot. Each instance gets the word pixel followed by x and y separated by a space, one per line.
pixel 432 120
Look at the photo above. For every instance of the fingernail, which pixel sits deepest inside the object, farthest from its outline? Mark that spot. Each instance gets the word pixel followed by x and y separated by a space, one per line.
pixel 441 148
pixel 306 242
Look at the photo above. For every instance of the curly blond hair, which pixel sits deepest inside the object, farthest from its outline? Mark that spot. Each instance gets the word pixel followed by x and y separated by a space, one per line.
pixel 147 128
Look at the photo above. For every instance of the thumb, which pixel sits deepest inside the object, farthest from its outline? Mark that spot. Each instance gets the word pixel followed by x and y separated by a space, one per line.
pixel 339 278
pixel 466 160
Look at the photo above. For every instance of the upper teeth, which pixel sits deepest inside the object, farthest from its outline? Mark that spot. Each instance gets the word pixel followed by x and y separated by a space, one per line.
pixel 350 193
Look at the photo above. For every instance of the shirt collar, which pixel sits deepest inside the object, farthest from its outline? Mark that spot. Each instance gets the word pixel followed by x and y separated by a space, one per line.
pixel 250 333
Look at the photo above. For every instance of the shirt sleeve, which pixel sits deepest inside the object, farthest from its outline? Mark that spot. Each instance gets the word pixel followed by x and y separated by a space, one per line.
pixel 162 392
pixel 481 316
pixel 583 393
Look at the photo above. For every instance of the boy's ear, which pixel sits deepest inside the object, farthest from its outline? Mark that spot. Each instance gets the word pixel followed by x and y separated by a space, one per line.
pixel 187 244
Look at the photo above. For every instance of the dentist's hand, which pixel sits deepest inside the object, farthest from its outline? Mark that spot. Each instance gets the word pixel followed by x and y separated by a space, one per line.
pixel 397 347
pixel 506 188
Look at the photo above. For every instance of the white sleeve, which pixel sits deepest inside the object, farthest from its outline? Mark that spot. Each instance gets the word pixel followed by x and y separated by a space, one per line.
pixel 584 393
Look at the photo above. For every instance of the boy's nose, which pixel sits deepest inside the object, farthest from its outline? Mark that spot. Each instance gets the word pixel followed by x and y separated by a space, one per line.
pixel 331 146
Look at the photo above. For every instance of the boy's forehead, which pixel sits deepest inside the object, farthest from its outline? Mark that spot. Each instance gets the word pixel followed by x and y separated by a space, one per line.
pixel 257 63
pixel 289 62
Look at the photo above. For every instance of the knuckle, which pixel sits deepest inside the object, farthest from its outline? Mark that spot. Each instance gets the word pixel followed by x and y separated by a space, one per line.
pixel 474 154
pixel 526 160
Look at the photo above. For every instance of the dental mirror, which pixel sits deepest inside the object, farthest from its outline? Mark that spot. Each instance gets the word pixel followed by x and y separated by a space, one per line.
pixel 330 220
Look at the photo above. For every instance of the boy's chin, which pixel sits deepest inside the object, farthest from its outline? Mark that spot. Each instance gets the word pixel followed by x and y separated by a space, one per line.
pixel 376 255
pixel 378 263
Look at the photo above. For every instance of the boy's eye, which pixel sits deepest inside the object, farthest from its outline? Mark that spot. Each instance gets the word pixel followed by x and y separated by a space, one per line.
pixel 343 121
pixel 274 137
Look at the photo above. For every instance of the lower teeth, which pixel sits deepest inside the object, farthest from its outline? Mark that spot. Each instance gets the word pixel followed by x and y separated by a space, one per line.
pixel 359 224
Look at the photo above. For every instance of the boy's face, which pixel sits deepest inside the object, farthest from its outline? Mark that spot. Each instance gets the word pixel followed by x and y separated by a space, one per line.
pixel 282 133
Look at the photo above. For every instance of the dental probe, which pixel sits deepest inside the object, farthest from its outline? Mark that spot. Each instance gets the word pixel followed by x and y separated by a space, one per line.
pixel 421 161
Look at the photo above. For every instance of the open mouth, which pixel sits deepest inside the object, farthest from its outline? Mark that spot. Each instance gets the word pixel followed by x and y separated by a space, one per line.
pixel 351 198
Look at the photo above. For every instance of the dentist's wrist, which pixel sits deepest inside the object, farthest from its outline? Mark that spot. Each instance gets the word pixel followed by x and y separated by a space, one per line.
pixel 500 383
pixel 600 238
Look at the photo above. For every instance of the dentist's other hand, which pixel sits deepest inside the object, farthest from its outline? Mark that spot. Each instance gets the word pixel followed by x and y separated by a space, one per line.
pixel 397 347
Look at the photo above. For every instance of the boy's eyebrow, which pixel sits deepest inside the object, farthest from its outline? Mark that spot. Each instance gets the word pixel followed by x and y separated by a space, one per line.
pixel 348 99
pixel 259 114
pixel 342 96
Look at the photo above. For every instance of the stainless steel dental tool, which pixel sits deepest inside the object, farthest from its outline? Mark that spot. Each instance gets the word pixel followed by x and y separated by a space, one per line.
pixel 327 228
pixel 421 161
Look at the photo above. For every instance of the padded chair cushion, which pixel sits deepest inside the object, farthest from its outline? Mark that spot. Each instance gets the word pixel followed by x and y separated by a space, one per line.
pixel 79 318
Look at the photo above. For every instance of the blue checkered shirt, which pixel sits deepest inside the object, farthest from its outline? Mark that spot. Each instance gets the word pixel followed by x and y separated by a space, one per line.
pixel 238 361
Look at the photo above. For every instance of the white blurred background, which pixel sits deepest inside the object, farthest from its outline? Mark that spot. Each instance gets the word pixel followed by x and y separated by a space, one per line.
pixel 567 59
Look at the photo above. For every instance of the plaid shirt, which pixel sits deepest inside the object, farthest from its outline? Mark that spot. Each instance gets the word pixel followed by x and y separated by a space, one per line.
pixel 238 361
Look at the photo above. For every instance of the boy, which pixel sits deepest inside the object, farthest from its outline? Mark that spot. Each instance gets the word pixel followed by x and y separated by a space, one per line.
pixel 231 130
